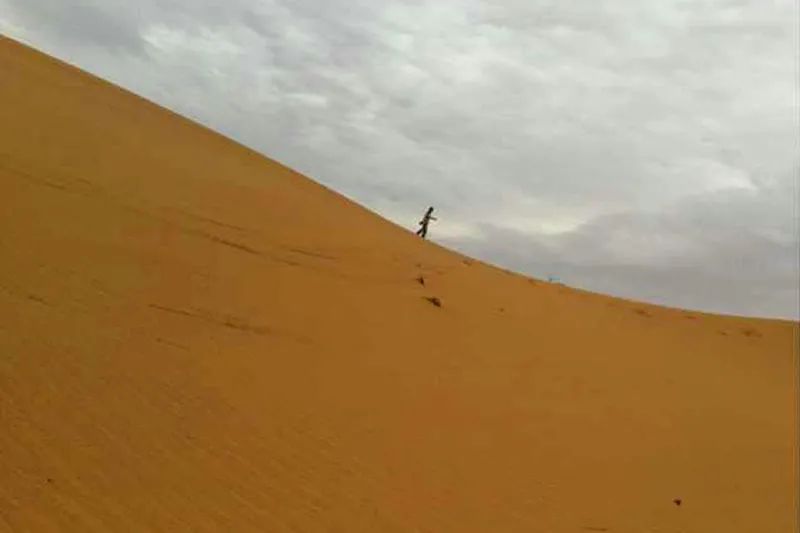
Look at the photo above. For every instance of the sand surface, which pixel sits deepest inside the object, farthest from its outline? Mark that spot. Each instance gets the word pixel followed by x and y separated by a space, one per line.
pixel 196 338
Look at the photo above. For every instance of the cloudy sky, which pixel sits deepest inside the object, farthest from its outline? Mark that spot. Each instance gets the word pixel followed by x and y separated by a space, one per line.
pixel 643 148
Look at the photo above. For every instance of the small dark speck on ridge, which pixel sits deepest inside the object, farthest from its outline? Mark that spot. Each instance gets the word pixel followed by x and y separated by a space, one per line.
pixel 435 301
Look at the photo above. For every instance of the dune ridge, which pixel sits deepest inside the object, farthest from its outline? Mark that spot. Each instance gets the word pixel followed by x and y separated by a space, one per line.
pixel 194 337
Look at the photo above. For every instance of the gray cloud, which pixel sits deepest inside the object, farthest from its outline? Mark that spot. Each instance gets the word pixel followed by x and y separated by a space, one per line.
pixel 647 149
pixel 86 23
pixel 719 252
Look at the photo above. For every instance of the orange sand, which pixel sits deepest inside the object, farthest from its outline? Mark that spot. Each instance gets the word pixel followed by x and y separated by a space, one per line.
pixel 195 338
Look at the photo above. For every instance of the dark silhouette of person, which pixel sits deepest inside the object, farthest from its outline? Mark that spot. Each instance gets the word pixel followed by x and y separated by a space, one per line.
pixel 423 229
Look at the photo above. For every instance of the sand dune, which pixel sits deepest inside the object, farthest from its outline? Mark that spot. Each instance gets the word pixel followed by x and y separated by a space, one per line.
pixel 195 338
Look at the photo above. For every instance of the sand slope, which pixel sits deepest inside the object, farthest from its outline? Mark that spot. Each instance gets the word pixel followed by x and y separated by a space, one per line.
pixel 193 337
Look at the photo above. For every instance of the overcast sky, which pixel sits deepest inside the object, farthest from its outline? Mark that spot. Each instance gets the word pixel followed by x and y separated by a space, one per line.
pixel 643 148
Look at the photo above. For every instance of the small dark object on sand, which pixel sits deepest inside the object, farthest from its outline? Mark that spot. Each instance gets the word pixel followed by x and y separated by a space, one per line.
pixel 421 280
pixel 677 501
pixel 435 301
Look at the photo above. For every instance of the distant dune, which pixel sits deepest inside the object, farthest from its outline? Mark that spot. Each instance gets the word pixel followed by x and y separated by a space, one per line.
pixel 196 338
